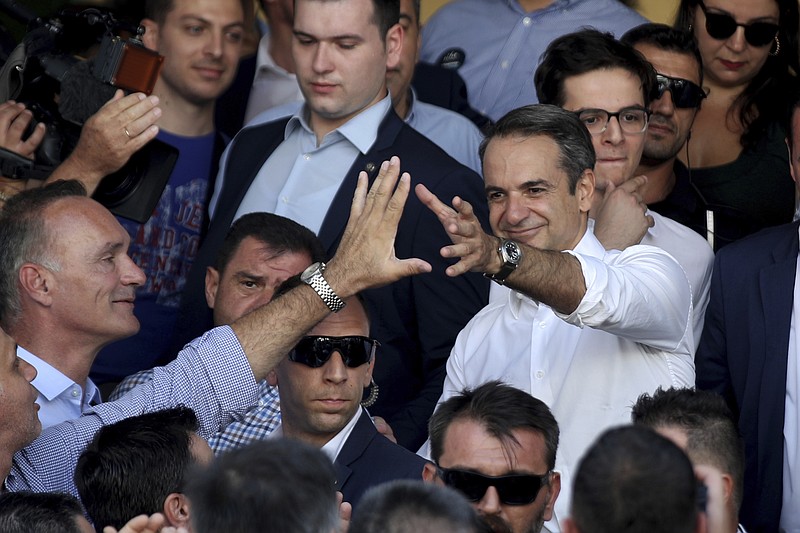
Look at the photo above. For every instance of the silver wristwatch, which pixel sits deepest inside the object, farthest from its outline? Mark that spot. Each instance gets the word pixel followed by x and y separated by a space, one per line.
pixel 313 276
pixel 511 255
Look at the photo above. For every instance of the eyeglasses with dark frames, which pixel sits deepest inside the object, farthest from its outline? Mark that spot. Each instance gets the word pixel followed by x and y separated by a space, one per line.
pixel 631 119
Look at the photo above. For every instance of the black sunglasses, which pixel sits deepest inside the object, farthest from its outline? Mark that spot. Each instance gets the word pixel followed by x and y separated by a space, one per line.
pixel 685 94
pixel 720 26
pixel 513 489
pixel 315 351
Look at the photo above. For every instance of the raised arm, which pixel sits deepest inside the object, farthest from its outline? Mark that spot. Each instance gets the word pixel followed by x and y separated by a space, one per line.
pixel 365 258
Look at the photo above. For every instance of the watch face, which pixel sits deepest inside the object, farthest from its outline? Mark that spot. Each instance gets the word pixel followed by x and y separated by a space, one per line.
pixel 311 271
pixel 512 251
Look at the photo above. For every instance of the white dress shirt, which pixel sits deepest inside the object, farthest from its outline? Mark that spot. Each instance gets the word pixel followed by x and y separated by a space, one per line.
pixel 60 398
pixel 631 333
pixel 273 85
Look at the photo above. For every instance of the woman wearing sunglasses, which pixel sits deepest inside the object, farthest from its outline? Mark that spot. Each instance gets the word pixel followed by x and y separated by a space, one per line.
pixel 736 153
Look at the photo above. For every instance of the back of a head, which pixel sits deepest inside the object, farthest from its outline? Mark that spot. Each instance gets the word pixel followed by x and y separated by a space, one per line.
pixel 130 467
pixel 633 480
pixel 407 506
pixel 712 436
pixel 29 512
pixel 585 51
pixel 271 486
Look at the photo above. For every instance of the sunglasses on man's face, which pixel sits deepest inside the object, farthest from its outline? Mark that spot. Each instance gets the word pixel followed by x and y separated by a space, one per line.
pixel 513 489
pixel 720 26
pixel 315 351
pixel 685 94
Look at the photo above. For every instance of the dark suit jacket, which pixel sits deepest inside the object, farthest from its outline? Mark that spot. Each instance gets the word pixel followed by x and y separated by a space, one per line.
pixel 368 459
pixel 416 319
pixel 742 355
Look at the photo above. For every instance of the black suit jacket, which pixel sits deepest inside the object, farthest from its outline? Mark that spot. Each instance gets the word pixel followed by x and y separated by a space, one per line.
pixel 368 459
pixel 743 356
pixel 416 319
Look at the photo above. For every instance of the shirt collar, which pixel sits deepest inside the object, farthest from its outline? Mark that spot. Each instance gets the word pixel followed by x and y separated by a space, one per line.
pixel 361 130
pixel 411 105
pixel 588 246
pixel 264 61
pixel 49 381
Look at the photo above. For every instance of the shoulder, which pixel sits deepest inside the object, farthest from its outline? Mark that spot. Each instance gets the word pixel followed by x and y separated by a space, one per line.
pixel 760 247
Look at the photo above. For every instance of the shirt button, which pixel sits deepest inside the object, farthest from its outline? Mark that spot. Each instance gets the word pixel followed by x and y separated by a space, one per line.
pixel 285 199
pixel 307 157
pixel 504 63
pixel 542 325
pixel 526 21
pixel 75 393
pixel 539 374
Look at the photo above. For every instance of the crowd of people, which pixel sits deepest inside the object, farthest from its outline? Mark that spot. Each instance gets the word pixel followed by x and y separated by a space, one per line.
pixel 528 267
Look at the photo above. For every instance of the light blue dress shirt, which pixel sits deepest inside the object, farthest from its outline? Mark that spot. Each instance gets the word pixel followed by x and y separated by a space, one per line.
pixel 59 398
pixel 502 43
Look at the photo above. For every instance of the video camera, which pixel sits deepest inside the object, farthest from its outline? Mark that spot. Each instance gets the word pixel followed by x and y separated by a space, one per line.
pixel 64 70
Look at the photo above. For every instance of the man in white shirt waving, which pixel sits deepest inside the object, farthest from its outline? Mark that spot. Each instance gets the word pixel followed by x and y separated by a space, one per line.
pixel 584 329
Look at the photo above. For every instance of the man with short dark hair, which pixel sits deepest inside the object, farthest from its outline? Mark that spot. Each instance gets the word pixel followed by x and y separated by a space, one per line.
pixel 497 445
pixel 679 95
pixel 305 168
pixel 322 385
pixel 701 424
pixel 139 466
pixel 272 486
pixel 632 479
pixel 584 329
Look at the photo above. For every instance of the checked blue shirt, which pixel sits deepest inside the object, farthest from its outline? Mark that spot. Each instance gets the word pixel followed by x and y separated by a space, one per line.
pixel 256 424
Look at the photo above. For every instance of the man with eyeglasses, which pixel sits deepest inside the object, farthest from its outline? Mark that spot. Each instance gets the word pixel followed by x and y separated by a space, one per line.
pixel 679 95
pixel 497 445
pixel 609 86
pixel 584 329
pixel 322 385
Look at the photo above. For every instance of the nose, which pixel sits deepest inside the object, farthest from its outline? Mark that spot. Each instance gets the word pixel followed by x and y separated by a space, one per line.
pixel 737 41
pixel 335 370
pixel 490 503
pixel 322 61
pixel 133 275
pixel 214 43
pixel 664 105
pixel 516 211
pixel 613 133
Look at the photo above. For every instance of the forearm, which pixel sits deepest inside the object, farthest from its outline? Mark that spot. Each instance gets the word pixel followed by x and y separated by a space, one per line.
pixel 552 278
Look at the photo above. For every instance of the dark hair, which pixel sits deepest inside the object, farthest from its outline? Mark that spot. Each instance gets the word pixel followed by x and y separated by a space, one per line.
pixel 711 433
pixel 634 480
pixel 277 485
pixel 500 409
pixel 766 98
pixel 130 467
pixel 32 512
pixel 281 234
pixel 665 38
pixel 408 506
pixel 157 10
pixel 576 152
pixel 23 239
pixel 585 51
pixel 385 14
